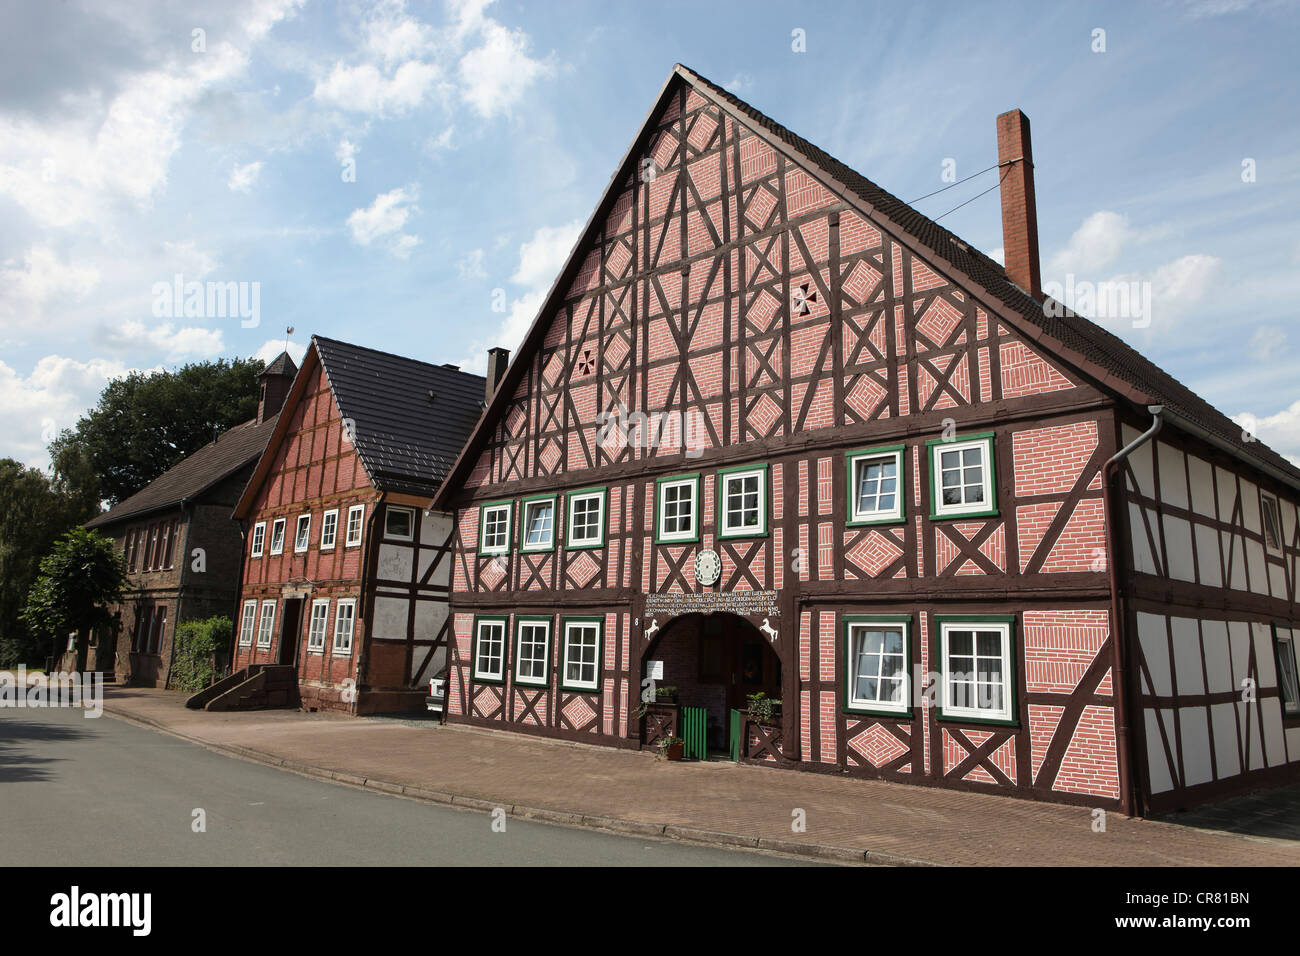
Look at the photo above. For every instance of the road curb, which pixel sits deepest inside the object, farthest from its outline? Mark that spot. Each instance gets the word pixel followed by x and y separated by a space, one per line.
pixel 670 831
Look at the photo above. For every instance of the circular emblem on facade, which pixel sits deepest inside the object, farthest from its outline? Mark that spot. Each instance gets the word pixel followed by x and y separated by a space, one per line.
pixel 708 567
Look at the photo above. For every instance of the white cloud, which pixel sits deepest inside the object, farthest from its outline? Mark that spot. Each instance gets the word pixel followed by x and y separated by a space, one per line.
pixel 1280 431
pixel 738 83
pixel 496 73
pixel 42 276
pixel 1177 286
pixel 242 177
pixel 173 344
pixel 1095 244
pixel 1266 342
pixel 57 392
pixel 270 350
pixel 998 255
pixel 384 218
pixel 436 144
pixel 364 89
pixel 540 257
pixel 471 265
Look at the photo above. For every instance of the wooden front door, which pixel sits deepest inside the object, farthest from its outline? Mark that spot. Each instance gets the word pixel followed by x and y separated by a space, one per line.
pixel 289 631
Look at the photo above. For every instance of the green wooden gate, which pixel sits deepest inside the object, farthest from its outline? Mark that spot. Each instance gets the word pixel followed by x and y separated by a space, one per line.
pixel 695 725
pixel 736 724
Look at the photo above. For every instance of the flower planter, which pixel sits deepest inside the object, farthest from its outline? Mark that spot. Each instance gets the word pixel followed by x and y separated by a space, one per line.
pixel 673 752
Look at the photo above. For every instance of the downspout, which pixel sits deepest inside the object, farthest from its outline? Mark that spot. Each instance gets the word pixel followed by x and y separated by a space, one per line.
pixel 363 655
pixel 180 594
pixel 1130 799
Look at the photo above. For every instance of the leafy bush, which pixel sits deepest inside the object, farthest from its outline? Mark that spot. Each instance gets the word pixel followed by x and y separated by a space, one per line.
pixel 199 643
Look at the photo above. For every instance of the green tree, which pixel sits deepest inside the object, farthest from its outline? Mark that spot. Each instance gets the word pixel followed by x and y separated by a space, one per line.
pixel 144 424
pixel 78 580
pixel 33 513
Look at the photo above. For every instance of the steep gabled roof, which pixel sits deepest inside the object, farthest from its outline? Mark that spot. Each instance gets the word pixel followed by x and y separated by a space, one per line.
pixel 283 365
pixel 412 418
pixel 408 418
pixel 1102 356
pixel 194 474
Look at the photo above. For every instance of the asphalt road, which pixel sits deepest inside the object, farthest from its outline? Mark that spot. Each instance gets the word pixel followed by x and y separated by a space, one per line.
pixel 102 792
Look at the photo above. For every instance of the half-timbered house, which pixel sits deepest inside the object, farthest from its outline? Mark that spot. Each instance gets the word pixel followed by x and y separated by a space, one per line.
pixel 346 570
pixel 775 431
pixel 180 546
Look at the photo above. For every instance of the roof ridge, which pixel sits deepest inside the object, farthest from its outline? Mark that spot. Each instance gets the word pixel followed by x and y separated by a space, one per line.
pixel 405 358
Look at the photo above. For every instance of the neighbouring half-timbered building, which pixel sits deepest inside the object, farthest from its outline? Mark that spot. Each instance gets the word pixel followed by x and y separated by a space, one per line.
pixel 180 546
pixel 346 570
pixel 775 431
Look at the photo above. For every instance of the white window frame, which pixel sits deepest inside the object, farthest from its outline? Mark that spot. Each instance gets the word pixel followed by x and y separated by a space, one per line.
pixel 360 511
pixel 661 501
pixel 725 478
pixel 315 639
pixel 988 485
pixel 247 623
pixel 297 534
pixel 351 605
pixel 391 510
pixel 1267 499
pixel 266 624
pixel 571 501
pixel 278 525
pixel 579 684
pixel 854 627
pixel 259 539
pixel 503 638
pixel 1006 714
pixel 525 507
pixel 504 547
pixel 545 625
pixel 329 531
pixel 1285 655
pixel 857 516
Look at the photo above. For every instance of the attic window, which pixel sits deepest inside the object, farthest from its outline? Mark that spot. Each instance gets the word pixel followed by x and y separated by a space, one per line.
pixel 399 523
pixel 1272 524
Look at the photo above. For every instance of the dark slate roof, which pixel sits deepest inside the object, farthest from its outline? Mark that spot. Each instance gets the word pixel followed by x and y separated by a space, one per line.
pixel 1100 347
pixel 194 474
pixel 283 365
pixel 406 442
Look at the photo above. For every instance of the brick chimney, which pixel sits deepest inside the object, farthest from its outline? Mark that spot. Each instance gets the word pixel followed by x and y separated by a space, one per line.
pixel 498 359
pixel 1019 211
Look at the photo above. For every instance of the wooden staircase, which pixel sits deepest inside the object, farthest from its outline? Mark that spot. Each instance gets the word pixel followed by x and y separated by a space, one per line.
pixel 255 687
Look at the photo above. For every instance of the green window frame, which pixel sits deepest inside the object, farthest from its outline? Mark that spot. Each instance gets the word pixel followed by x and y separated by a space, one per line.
pixel 489 677
pixel 672 482
pixel 864 624
pixel 567 681
pixel 483 511
pixel 740 473
pixel 938 450
pixel 865 456
pixel 525 506
pixel 601 495
pixel 532 679
pixel 948 625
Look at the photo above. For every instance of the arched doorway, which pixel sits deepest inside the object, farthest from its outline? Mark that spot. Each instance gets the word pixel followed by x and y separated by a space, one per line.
pixel 713 661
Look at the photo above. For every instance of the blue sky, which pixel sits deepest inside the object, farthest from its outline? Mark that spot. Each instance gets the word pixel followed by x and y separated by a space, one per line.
pixel 481 134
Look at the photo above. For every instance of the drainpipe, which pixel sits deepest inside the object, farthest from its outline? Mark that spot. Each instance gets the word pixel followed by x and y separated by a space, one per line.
pixel 1130 799
pixel 363 655
pixel 239 596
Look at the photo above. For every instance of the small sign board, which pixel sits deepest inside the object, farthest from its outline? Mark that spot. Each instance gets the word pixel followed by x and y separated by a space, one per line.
pixel 654 670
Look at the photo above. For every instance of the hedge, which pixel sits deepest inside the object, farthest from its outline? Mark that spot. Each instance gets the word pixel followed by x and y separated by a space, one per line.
pixel 198 645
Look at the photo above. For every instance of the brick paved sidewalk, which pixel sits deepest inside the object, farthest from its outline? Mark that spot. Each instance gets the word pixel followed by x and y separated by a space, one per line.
pixel 740 804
